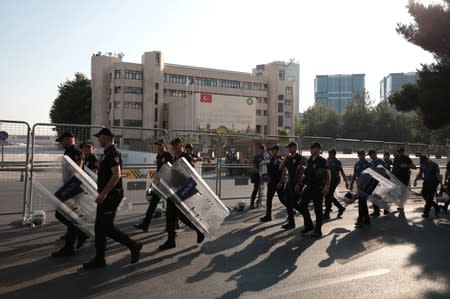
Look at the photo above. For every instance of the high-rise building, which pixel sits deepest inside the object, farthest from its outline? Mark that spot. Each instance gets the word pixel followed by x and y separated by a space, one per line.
pixel 394 82
pixel 155 94
pixel 336 90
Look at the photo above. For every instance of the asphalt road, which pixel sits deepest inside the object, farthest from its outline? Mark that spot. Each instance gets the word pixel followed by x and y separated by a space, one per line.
pixel 398 256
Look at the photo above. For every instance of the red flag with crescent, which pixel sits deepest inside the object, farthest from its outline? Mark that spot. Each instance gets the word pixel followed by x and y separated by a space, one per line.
pixel 205 98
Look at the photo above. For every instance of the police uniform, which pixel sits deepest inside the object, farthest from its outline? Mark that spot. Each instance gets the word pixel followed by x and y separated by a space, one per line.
pixel 402 173
pixel 161 159
pixel 363 210
pixel 72 231
pixel 92 162
pixel 430 173
pixel 257 160
pixel 335 167
pixel 294 165
pixel 315 182
pixel 173 214
pixel 106 211
pixel 275 176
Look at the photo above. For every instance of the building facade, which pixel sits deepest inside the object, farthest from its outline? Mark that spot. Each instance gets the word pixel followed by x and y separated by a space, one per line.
pixel 337 90
pixel 394 82
pixel 155 94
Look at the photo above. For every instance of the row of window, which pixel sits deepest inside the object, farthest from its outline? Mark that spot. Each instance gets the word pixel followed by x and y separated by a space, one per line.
pixel 203 81
pixel 261 112
pixel 176 93
pixel 128 105
pixel 128 89
pixel 131 75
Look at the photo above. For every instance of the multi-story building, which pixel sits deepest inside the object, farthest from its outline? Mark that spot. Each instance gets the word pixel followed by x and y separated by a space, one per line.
pixel 155 94
pixel 337 90
pixel 394 82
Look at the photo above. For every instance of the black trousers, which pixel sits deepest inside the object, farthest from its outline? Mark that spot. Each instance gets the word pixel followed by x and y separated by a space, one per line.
pixel 151 209
pixel 104 224
pixel 291 201
pixel 313 194
pixel 428 191
pixel 363 210
pixel 272 188
pixel 72 231
pixel 330 199
pixel 255 189
pixel 172 215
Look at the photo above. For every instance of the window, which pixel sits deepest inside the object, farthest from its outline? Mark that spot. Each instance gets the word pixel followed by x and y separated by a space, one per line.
pixel 288 102
pixel 117 89
pixel 265 130
pixel 156 114
pixel 288 90
pixel 158 59
pixel 132 123
pixel 156 86
pixel 288 114
pixel 265 112
pixel 164 107
pixel 266 86
pixel 176 93
pixel 258 100
pixel 258 112
pixel 179 79
pixel 156 98
pixel 280 120
pixel 280 97
pixel 281 75
pixel 258 129
pixel 230 84
pixel 265 100
pixel 132 105
pixel 164 124
pixel 280 107
pixel 116 122
pixel 117 104
pixel 117 74
pixel 133 75
pixel 134 90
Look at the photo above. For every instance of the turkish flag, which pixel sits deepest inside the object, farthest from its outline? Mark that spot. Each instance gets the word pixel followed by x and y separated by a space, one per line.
pixel 205 98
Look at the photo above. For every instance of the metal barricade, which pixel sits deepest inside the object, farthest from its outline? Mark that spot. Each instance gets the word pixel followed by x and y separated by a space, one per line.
pixel 348 146
pixel 437 151
pixel 14 164
pixel 45 152
pixel 306 141
pixel 235 165
pixel 418 149
pixel 138 149
pixel 375 145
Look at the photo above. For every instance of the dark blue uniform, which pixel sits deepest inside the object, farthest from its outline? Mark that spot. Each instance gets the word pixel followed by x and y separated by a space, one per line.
pixel 92 162
pixel 275 176
pixel 430 173
pixel 315 182
pixel 375 164
pixel 294 165
pixel 363 210
pixel 335 167
pixel 257 160
pixel 106 211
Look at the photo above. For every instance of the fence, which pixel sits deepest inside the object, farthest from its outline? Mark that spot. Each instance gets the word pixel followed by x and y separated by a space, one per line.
pixel 30 154
pixel 14 164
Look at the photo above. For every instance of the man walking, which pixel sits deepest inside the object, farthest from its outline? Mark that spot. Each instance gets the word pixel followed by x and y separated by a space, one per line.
pixel 336 171
pixel 429 172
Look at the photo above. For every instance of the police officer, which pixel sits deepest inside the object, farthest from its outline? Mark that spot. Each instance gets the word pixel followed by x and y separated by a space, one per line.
pixel 190 151
pixel 257 160
pixel 67 141
pixel 90 159
pixel 317 180
pixel 363 210
pixel 375 162
pixel 447 183
pixel 172 212
pixel 336 170
pixel 274 183
pixel 162 157
pixel 109 197
pixel 294 164
pixel 402 166
pixel 387 161
pixel 429 172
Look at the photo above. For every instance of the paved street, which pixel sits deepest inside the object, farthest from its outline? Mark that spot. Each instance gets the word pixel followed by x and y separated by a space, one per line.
pixel 399 256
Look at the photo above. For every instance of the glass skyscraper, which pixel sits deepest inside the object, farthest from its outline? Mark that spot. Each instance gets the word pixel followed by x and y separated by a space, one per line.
pixel 394 83
pixel 337 90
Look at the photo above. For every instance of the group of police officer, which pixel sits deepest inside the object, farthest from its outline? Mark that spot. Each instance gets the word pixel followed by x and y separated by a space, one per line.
pixel 316 179
pixel 296 180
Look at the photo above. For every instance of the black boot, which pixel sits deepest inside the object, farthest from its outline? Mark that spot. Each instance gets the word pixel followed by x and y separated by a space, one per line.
pixel 142 226
pixel 64 252
pixel 289 225
pixel 95 263
pixel 82 237
pixel 265 219
pixel 135 252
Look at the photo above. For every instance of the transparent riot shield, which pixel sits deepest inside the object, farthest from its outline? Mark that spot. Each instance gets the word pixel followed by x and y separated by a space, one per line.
pixel 382 188
pixel 181 184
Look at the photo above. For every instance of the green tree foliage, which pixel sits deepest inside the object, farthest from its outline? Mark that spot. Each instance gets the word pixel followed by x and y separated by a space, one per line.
pixel 431 95
pixel 73 103
pixel 358 119
pixel 319 120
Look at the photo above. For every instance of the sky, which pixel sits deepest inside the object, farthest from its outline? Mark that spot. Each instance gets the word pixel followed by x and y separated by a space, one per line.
pixel 43 43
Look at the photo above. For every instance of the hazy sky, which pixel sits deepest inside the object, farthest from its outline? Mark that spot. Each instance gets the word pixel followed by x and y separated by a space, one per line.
pixel 45 42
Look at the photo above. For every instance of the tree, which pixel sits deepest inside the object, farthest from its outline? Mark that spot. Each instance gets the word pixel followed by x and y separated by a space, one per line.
pixel 358 118
pixel 73 103
pixel 390 125
pixel 430 96
pixel 319 120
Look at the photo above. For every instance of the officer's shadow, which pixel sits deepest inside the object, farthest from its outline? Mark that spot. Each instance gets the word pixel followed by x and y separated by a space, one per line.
pixel 430 237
